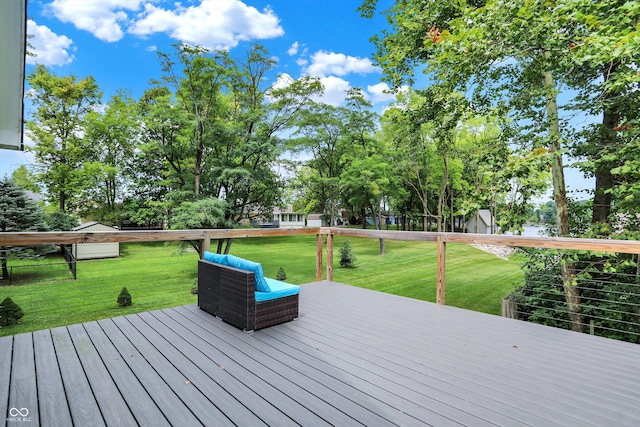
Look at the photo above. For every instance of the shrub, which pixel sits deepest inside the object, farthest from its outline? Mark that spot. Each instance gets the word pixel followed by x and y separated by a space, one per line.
pixel 281 274
pixel 10 313
pixel 194 287
pixel 347 259
pixel 124 299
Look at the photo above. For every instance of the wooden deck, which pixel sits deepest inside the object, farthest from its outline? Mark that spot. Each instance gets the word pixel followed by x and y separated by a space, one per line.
pixel 355 357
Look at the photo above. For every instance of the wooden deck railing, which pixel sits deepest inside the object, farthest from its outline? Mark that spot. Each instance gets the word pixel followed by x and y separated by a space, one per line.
pixel 602 245
pixel 73 237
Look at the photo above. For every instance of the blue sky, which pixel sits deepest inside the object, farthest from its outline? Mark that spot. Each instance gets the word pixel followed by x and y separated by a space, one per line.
pixel 116 42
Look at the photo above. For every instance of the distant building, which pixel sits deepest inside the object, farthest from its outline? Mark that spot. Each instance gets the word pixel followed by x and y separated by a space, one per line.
pixel 482 223
pixel 95 250
pixel 287 218
pixel 314 220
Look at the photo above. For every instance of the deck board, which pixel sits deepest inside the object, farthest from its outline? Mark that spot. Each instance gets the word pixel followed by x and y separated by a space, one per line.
pixel 52 402
pixel 354 357
pixel 6 350
pixel 159 392
pixel 79 395
pixel 23 394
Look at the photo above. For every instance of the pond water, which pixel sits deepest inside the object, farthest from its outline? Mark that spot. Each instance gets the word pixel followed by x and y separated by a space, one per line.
pixel 531 231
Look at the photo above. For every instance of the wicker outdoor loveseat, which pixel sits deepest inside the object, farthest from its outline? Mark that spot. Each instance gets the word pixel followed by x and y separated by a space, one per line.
pixel 235 290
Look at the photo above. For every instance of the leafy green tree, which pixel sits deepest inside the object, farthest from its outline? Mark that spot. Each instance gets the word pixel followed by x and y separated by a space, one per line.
pixel 18 213
pixel 502 54
pixel 604 52
pixel 199 78
pixel 24 179
pixel 203 213
pixel 61 105
pixel 111 137
pixel 319 133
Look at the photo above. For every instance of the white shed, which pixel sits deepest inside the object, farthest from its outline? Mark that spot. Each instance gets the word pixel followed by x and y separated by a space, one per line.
pixel 483 222
pixel 95 250
pixel 314 220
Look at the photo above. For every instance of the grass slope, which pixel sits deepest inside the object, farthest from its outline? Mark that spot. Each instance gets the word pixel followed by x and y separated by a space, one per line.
pixel 160 276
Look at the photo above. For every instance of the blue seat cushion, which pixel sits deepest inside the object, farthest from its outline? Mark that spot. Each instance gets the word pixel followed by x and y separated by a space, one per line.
pixel 254 267
pixel 278 290
pixel 217 258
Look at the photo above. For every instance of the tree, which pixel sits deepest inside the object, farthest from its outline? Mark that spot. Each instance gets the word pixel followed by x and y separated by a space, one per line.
pixel 17 213
pixel 347 258
pixel 57 128
pixel 502 53
pixel 124 298
pixel 111 140
pixel 231 148
pixel 199 89
pixel 319 133
pixel 203 213
pixel 605 53
pixel 10 313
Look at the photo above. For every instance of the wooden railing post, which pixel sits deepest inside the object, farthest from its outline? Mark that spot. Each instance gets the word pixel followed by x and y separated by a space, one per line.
pixel 206 243
pixel 442 255
pixel 330 257
pixel 319 247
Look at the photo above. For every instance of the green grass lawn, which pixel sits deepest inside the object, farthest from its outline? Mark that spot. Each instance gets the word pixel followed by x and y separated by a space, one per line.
pixel 160 276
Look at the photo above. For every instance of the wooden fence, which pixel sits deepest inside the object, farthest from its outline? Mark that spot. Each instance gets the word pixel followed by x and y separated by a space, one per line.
pixel 205 236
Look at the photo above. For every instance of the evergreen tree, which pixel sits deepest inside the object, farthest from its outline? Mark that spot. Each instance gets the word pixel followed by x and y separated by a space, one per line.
pixel 10 312
pixel 17 213
pixel 347 259
pixel 281 274
pixel 124 299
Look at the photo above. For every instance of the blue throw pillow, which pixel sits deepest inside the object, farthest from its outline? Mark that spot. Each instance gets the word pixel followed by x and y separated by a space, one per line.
pixel 254 267
pixel 217 258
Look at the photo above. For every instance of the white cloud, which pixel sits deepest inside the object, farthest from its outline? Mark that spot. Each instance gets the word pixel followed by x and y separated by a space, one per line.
pixel 50 48
pixel 381 93
pixel 216 24
pixel 329 63
pixel 334 90
pixel 102 18
pixel 293 49
pixel 284 80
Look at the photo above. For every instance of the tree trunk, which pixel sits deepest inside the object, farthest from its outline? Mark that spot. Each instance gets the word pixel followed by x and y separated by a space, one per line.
pixel 377 215
pixel 571 290
pixel 604 177
pixel 443 189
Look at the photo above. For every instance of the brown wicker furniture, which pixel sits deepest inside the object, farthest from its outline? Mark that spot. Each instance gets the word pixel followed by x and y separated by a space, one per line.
pixel 229 293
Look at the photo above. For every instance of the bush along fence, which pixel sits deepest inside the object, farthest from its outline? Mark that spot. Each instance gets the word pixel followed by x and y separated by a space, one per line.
pixel 605 289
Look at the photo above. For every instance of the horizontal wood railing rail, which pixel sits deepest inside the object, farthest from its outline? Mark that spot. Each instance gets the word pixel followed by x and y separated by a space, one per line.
pixel 206 235
pixel 72 237
pixel 604 245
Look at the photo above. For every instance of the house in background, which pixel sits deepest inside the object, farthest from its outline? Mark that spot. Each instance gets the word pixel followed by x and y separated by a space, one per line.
pixel 482 223
pixel 287 218
pixel 95 250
